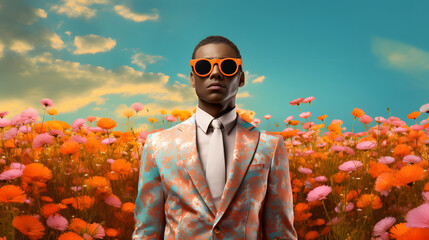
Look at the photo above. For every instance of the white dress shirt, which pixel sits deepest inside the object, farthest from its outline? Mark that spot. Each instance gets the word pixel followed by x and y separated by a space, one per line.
pixel 204 132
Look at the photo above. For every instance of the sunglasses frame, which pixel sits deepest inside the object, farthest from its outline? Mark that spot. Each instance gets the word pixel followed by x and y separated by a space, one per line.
pixel 217 61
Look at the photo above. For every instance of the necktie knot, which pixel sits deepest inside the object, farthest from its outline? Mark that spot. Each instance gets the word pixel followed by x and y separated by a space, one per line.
pixel 216 123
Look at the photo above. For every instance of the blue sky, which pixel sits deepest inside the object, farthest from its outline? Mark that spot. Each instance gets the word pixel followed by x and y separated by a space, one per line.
pixel 97 57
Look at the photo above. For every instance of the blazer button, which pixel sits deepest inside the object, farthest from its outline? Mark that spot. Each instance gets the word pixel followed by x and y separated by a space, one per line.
pixel 216 230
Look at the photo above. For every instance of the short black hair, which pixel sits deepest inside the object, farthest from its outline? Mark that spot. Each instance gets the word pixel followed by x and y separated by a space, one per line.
pixel 216 39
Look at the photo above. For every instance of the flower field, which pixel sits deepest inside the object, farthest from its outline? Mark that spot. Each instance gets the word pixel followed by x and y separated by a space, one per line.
pixel 79 181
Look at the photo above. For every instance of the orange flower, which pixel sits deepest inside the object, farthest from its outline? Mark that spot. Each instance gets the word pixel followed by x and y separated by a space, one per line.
pixel 318 222
pixel 321 118
pixel 69 147
pixel 70 236
pixel 398 230
pixel 12 193
pixel 106 123
pixel 413 115
pixel 46 199
pixel 408 174
pixel 128 113
pixel 127 137
pixel 76 224
pixel 384 182
pixel 369 200
pixel 29 226
pixel 376 168
pixel 340 176
pixel 311 235
pixel 82 202
pixel 288 134
pixel 415 234
pixel 98 182
pixel 358 112
pixel 121 166
pixel 128 207
pixel 300 207
pixel 426 187
pixel 294 122
pixel 111 232
pixel 352 194
pixel 36 172
pixel 53 111
pixel 41 129
pixel 91 145
pixel 401 150
pixel 50 209
pixel 152 120
pixel 335 128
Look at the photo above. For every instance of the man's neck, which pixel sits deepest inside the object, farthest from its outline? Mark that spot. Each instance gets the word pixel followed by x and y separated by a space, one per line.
pixel 216 110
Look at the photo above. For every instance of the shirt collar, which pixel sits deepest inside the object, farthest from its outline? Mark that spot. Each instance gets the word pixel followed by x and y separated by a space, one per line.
pixel 204 119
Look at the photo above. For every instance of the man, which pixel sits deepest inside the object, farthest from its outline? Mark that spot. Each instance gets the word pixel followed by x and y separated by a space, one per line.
pixel 214 176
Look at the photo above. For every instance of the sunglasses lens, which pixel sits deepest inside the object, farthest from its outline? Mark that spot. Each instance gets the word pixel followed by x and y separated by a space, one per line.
pixel 228 66
pixel 202 67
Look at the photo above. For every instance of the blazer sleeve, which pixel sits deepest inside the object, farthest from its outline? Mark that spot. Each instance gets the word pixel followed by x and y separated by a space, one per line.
pixel 277 220
pixel 149 207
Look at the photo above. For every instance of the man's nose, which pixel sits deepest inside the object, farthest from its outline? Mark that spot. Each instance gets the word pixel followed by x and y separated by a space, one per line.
pixel 216 72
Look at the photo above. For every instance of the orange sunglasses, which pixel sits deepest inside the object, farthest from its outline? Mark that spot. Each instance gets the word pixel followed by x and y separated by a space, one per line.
pixel 227 66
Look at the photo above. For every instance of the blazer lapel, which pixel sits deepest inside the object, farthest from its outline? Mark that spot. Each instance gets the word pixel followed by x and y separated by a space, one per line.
pixel 247 138
pixel 186 143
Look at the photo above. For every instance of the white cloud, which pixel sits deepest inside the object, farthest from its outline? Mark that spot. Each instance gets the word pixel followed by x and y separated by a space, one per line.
pixel 141 59
pixel 136 17
pixel 243 94
pixel 68 33
pixel 258 79
pixel 401 56
pixel 1 49
pixel 41 13
pixel 181 75
pixel 73 86
pixel 20 46
pixel 77 8
pixel 56 41
pixel 93 44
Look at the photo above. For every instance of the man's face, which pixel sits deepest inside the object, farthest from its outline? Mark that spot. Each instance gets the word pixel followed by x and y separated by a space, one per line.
pixel 230 84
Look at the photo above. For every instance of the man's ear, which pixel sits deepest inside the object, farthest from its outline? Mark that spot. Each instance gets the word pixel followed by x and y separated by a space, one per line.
pixel 242 79
pixel 192 79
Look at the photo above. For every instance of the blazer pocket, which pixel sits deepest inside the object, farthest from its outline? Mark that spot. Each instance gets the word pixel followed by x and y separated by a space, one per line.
pixel 254 167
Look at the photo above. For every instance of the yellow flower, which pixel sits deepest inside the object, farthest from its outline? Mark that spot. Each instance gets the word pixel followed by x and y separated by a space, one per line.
pixel 53 111
pixel 163 111
pixel 152 120
pixel 128 113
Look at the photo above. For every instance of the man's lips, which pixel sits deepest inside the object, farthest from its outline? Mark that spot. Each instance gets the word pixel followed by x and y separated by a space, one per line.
pixel 215 84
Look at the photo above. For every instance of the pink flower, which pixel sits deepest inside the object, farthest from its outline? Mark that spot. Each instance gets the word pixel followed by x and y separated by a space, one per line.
pixel 320 145
pixel 412 158
pixel 386 160
pixel 425 108
pixel 76 188
pixel 380 119
pixel 42 139
pixel 11 133
pixel 337 148
pixel 171 118
pixel 417 127
pixel 288 119
pixel 4 122
pixel 349 151
pixel 308 125
pixel 400 130
pixel 29 115
pixel 319 193
pixel 257 120
pixel 366 145
pixel 78 139
pixel 365 119
pixel 308 100
pixel 296 101
pixel 137 106
pixel 46 102
pixel 99 233
pixel 425 196
pixel 57 222
pixel 305 170
pixel 77 124
pixel 95 129
pixel 110 160
pixel 296 143
pixel 55 132
pixel 304 115
pixel 340 207
pixel 383 225
pixel 3 114
pixel 16 165
pixel 25 129
pixel 418 217
pixel 350 166
pixel 11 174
pixel 321 179
pixel 108 140
pixel 113 201
pixel 268 116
